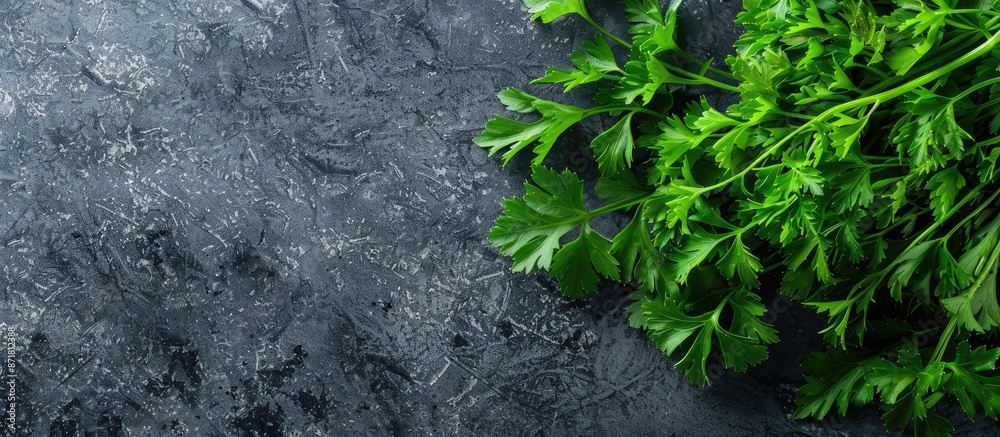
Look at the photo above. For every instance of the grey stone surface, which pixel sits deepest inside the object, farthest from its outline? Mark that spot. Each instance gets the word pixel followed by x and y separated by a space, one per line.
pixel 266 217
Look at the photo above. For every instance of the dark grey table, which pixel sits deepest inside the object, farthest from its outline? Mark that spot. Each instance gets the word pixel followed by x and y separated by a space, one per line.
pixel 266 217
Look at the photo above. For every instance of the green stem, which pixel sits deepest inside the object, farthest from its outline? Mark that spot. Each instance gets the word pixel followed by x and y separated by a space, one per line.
pixel 985 274
pixel 612 108
pixel 974 88
pixel 717 71
pixel 944 340
pixel 963 26
pixel 949 330
pixel 586 216
pixel 988 142
pixel 586 16
pixel 966 11
pixel 957 45
pixel 883 96
pixel 900 221
pixel 792 114
pixel 895 165
pixel 611 207
pixel 698 79
pixel 988 202
pixel 771 267
pixel 963 44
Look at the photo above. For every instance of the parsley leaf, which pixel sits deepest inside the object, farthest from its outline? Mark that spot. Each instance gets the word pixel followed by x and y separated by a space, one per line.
pixel 613 147
pixel 742 342
pixel 579 262
pixel 974 391
pixel 640 260
pixel 548 10
pixel 511 135
pixel 595 62
pixel 531 227
pixel 835 379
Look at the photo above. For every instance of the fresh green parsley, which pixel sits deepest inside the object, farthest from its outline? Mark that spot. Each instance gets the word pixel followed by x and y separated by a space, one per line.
pixel 859 169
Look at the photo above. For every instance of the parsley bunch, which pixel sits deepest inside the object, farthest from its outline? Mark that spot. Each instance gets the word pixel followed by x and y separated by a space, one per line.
pixel 859 168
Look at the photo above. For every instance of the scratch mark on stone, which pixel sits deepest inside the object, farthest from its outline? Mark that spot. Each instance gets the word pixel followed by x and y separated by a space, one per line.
pixel 92 326
pixel 304 30
pixel 399 174
pixel 18 219
pixel 503 304
pixel 455 399
pixel 250 149
pixel 217 237
pixel 104 19
pixel 55 293
pixel 340 57
pixel 94 76
pixel 489 276
pixel 526 409
pixel 253 6
pixel 274 337
pixel 187 207
pixel 133 403
pixel 437 376
pixel 74 372
pixel 366 175
pixel 119 214
pixel 475 378
pixel 537 334
pixel 432 178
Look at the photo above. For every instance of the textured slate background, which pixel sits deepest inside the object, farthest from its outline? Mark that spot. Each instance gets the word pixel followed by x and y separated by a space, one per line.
pixel 266 217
